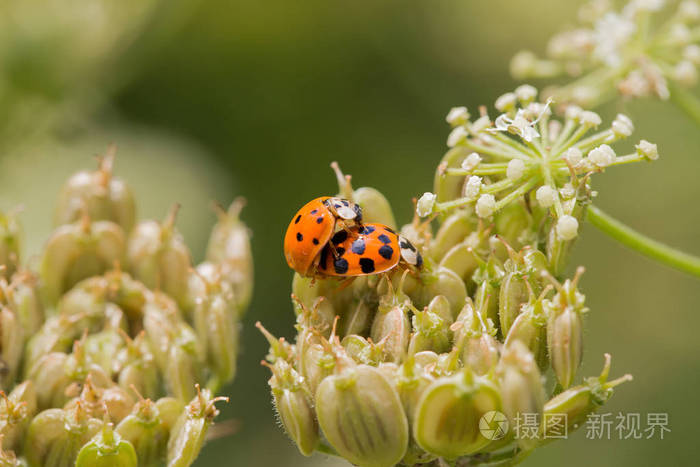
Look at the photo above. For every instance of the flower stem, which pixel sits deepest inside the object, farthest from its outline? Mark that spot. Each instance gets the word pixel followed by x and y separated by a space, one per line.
pixel 651 248
pixel 686 101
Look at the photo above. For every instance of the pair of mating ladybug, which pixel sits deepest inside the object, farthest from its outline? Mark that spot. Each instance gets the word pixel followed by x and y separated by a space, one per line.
pixel 327 237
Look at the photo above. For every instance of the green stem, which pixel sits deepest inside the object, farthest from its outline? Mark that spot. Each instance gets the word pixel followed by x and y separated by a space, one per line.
pixel 651 248
pixel 686 101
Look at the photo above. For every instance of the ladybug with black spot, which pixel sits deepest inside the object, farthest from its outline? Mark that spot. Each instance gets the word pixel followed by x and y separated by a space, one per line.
pixel 313 226
pixel 367 249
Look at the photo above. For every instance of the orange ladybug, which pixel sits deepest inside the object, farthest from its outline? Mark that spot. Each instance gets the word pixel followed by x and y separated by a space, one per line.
pixel 367 249
pixel 313 226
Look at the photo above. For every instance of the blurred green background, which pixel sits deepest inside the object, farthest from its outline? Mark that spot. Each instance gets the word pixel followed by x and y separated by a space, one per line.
pixel 218 98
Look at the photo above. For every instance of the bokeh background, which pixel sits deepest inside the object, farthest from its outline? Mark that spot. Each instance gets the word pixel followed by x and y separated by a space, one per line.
pixel 217 98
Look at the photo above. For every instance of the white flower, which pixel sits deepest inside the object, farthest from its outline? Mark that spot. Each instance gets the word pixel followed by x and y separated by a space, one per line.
pixel 612 32
pixel 689 10
pixel 425 204
pixel 485 205
pixel 520 125
pixel 515 169
pixel 526 93
pixel 473 187
pixel 567 227
pixel 573 156
pixel 602 156
pixel 648 150
pixel 456 136
pixel 505 102
pixel 546 196
pixel 457 116
pixel 622 126
pixel 590 118
pixel 680 34
pixel 573 112
pixel 692 53
pixel 471 161
pixel 481 124
pixel 685 73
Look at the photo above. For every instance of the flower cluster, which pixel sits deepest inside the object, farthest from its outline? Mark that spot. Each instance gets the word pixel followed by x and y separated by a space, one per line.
pixel 403 368
pixel 636 51
pixel 528 164
pixel 113 351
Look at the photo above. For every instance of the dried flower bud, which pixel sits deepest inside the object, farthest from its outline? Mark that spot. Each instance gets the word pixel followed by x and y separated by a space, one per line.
pixel 361 416
pixel 159 258
pixel 107 449
pixel 188 434
pixel 76 251
pixel 462 398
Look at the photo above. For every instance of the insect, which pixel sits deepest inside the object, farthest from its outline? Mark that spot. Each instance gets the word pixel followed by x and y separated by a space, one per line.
pixel 313 226
pixel 367 249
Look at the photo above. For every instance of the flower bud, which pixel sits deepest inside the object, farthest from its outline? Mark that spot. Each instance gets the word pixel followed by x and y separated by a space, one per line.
pixel 10 242
pixel 99 194
pixel 11 347
pixel 229 246
pixel 453 230
pixel 188 434
pixel 574 405
pixel 648 150
pixel 529 328
pixel 361 416
pixel 512 295
pixel 475 341
pixel 137 368
pixel 392 327
pixel 565 329
pixel 56 436
pixel 184 364
pixel 77 251
pixel 432 327
pixel 107 449
pixel 522 391
pixel 357 318
pixel 16 412
pixel 457 116
pixel 102 347
pixel 440 281
pixel 22 297
pixel 159 258
pixel 448 414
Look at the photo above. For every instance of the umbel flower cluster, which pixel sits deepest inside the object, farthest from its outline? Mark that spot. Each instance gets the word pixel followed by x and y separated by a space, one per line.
pixel 113 352
pixel 415 368
pixel 642 49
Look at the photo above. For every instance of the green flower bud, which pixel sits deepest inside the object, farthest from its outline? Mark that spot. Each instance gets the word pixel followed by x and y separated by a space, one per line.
pixel 188 434
pixel 22 297
pixel 107 449
pixel 101 348
pixel 514 224
pixel 358 317
pixel 565 329
pixel 462 258
pixel 361 416
pixel 147 430
pixel 293 406
pixel 454 230
pixel 512 295
pixel 137 368
pixel 16 412
pixel 392 328
pixel 103 196
pixel 522 391
pixel 488 276
pixel 575 404
pixel 530 328
pixel 98 402
pixel 127 293
pixel 184 364
pixel 448 187
pixel 159 258
pixel 77 251
pixel 56 436
pixel 10 242
pixel 441 281
pixel 375 206
pixel 431 332
pixel 448 414
pixel 475 339
pixel 229 246
pixel 11 346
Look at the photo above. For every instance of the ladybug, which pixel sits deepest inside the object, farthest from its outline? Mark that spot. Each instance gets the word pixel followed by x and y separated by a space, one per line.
pixel 367 249
pixel 313 226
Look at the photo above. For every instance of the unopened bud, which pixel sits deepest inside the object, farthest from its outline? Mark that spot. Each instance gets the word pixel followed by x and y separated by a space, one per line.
pixel 107 449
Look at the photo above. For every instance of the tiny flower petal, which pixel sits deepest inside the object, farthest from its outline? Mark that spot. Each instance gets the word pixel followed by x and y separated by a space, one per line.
pixel 481 124
pixel 515 169
pixel 622 126
pixel 567 227
pixel 473 187
pixel 602 156
pixel 648 150
pixel 456 136
pixel 485 205
pixel 425 204
pixel 471 161
pixel 546 196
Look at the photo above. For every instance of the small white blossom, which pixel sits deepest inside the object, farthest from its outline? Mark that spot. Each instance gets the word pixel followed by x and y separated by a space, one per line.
pixel 485 205
pixel 622 126
pixel 456 136
pixel 602 156
pixel 546 196
pixel 481 124
pixel 425 204
pixel 471 161
pixel 692 53
pixel 567 227
pixel 473 187
pixel 573 156
pixel 611 34
pixel 590 118
pixel 515 169
pixel 505 102
pixel 457 116
pixel 685 73
pixel 526 93
pixel 520 125
pixel 679 34
pixel 648 150
pixel 573 112
pixel 689 10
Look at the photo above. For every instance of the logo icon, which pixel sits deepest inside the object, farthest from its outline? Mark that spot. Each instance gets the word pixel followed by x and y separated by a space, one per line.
pixel 493 425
